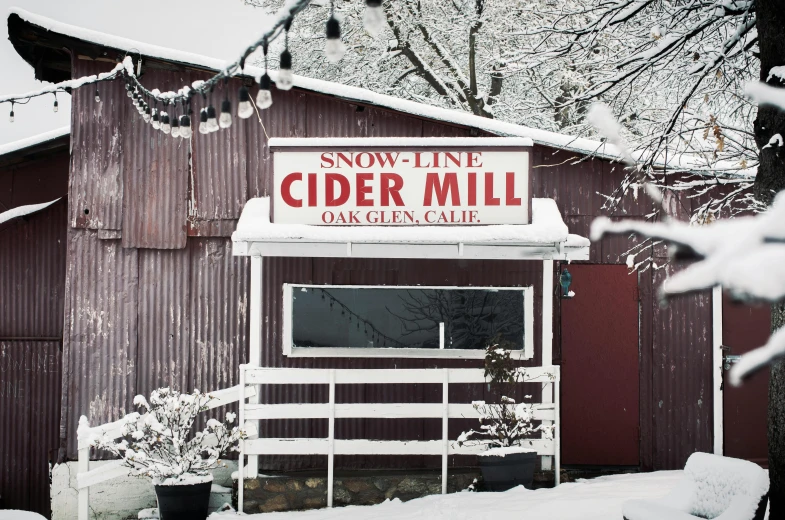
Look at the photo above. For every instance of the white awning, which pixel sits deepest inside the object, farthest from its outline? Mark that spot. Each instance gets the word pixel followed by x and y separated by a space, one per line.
pixel 547 237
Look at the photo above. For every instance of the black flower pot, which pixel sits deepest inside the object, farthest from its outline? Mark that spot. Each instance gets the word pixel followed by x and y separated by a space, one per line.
pixel 501 473
pixel 188 502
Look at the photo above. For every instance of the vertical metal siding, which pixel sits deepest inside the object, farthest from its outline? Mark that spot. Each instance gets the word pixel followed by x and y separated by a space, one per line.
pixel 96 188
pixel 29 415
pixel 682 388
pixel 100 336
pixel 286 118
pixel 155 177
pixel 164 325
pixel 219 179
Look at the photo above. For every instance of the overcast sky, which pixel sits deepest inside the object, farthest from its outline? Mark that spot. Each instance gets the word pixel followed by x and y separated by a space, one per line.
pixel 214 28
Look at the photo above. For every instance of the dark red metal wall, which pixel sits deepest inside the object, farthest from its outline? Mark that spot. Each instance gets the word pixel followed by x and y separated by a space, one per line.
pixel 32 279
pixel 155 297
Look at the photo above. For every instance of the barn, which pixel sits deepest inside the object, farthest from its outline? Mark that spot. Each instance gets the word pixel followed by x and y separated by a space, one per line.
pixel 158 265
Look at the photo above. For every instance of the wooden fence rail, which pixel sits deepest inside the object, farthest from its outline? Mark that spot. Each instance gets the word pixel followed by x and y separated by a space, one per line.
pixel 548 412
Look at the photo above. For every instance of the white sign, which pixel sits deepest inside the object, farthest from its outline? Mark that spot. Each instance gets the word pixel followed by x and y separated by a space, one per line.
pixel 407 186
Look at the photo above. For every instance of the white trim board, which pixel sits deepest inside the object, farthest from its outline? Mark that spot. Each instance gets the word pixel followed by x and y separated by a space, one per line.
pixel 717 371
pixel 380 352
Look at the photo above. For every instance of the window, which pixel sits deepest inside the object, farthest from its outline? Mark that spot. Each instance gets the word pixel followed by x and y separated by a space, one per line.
pixel 382 321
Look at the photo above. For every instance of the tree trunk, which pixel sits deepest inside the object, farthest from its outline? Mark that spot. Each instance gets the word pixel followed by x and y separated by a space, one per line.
pixel 770 180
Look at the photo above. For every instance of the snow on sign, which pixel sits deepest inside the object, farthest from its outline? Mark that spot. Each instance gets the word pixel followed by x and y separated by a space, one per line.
pixel 396 181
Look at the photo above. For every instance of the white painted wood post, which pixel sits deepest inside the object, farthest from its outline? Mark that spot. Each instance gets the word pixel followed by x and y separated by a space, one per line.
pixel 445 430
pixel 557 430
pixel 255 341
pixel 83 466
pixel 547 340
pixel 717 362
pixel 240 462
pixel 331 441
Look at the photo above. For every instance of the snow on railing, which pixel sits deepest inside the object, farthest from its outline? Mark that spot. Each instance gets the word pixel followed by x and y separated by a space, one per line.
pixel 548 412
pixel 87 435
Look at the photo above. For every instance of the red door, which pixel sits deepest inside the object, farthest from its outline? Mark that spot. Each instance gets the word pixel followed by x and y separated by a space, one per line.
pixel 600 385
pixel 744 408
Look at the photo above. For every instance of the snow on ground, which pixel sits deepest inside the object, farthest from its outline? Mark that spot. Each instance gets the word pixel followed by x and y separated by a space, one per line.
pixel 15 514
pixel 596 499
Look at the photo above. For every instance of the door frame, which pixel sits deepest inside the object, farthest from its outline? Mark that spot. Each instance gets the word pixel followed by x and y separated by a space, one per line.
pixel 717 375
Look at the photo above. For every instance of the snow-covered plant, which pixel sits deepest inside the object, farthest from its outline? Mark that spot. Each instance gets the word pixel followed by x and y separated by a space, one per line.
pixel 506 423
pixel 160 442
pixel 503 425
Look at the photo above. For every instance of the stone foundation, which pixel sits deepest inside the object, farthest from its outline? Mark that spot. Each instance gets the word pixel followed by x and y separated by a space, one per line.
pixel 296 492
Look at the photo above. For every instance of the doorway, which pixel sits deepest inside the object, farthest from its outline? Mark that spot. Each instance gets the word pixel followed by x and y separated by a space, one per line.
pixel 744 408
pixel 599 370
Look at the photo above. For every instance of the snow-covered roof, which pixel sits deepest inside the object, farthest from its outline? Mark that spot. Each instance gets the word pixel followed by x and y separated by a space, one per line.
pixel 21 211
pixel 29 142
pixel 546 237
pixel 356 94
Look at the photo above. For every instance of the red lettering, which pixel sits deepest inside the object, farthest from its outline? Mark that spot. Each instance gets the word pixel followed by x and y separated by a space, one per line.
pixel 311 189
pixel 456 160
pixel 327 160
pixel 417 163
pixel 472 177
pixel 286 189
pixel 429 216
pixel 329 187
pixel 386 158
pixel 490 200
pixel 391 187
pixel 472 159
pixel 369 156
pixel 346 159
pixel 450 186
pixel 511 200
pixel 328 217
pixel 363 189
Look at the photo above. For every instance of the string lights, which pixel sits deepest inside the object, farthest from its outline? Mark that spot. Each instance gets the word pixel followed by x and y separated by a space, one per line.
pixel 146 101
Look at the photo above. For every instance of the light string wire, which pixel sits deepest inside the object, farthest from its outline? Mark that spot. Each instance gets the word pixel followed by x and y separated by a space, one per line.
pixel 125 69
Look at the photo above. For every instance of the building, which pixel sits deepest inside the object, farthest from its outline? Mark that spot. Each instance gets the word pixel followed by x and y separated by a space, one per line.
pixel 154 296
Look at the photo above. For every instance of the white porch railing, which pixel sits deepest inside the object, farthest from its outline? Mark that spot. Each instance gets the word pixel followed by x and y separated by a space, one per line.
pixel 87 477
pixel 253 375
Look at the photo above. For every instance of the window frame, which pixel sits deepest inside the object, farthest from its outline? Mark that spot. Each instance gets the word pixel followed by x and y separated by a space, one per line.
pixel 388 352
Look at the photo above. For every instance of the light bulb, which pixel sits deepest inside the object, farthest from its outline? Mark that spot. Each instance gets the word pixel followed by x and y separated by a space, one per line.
pixel 226 114
pixel 55 107
pixel 212 121
pixel 244 108
pixel 175 129
pixel 203 122
pixel 334 48
pixel 11 117
pixel 129 91
pixel 165 126
pixel 373 17
pixel 146 115
pixel 185 127
pixel 285 76
pixel 264 98
pixel 97 96
pixel 156 121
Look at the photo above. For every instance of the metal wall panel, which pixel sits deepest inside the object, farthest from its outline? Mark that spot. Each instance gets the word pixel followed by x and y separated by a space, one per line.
pixel 219 179
pixel 32 277
pixel 682 377
pixel 96 187
pixel 155 176
pixel 100 336
pixel 29 416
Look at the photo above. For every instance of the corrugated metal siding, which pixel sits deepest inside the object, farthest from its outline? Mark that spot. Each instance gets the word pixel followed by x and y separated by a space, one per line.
pixel 100 336
pixel 155 176
pixel 219 179
pixel 96 187
pixel 29 415
pixel 682 387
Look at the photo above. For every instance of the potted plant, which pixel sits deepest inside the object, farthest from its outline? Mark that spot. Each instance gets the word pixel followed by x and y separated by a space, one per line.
pixel 506 427
pixel 160 443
